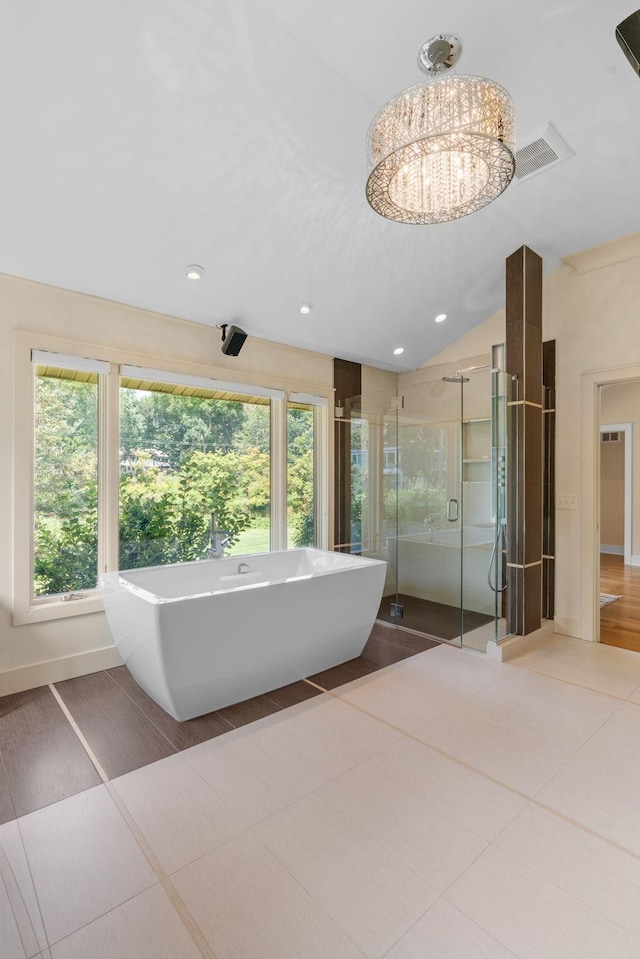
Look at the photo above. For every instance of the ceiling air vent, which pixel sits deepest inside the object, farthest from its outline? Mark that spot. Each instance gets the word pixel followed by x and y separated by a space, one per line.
pixel 547 150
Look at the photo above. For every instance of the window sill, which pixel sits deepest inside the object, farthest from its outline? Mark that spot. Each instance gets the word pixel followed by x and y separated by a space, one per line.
pixel 58 609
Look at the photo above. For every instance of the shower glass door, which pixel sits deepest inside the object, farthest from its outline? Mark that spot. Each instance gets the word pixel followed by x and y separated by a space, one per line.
pixel 423 509
pixel 428 495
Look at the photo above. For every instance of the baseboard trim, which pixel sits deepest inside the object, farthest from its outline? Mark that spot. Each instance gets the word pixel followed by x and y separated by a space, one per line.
pixel 57 670
pixel 635 560
pixel 614 550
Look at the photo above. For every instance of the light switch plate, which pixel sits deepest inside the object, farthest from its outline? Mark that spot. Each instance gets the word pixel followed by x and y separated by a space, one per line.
pixel 566 501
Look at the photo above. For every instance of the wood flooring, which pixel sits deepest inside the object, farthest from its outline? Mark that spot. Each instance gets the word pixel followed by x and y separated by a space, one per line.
pixel 620 621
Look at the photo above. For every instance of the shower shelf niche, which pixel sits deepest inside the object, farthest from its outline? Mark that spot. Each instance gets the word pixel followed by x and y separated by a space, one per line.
pixel 476 451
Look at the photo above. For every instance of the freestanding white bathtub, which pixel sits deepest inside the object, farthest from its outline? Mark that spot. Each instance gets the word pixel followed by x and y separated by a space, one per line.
pixel 199 636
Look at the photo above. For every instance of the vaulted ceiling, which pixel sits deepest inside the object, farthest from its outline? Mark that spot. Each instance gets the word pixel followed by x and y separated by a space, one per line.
pixel 142 136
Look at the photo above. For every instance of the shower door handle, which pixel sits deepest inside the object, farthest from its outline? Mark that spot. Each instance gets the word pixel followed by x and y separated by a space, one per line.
pixel 452 510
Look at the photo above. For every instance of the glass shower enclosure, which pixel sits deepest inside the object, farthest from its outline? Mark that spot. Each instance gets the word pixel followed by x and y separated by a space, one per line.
pixel 430 470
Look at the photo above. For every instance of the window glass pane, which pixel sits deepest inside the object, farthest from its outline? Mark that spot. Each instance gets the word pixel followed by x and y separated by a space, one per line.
pixel 183 457
pixel 65 554
pixel 301 480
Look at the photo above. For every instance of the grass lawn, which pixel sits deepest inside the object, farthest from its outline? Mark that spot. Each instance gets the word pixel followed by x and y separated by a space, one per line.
pixel 254 541
pixel 250 541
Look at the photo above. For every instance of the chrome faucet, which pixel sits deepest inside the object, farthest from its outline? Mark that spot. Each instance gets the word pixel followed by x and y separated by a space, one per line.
pixel 218 539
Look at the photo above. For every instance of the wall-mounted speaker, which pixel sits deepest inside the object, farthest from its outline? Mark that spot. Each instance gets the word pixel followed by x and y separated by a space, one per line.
pixel 232 339
pixel 628 36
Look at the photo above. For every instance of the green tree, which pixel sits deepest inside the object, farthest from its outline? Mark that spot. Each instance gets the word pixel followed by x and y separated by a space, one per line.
pixel 176 425
pixel 66 436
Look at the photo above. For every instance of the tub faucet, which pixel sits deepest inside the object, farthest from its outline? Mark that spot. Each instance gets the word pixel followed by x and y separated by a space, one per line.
pixel 218 539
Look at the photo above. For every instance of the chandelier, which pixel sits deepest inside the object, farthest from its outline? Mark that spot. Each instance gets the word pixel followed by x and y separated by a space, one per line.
pixel 443 148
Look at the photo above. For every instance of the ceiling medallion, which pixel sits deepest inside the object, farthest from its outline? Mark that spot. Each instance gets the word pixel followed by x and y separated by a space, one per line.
pixel 444 148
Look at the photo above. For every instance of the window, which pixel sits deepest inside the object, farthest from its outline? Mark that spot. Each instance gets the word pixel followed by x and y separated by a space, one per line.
pixel 65 548
pixel 302 518
pixel 128 464
pixel 187 455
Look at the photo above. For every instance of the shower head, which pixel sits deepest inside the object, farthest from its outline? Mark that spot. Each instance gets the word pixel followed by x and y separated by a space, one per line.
pixel 456 378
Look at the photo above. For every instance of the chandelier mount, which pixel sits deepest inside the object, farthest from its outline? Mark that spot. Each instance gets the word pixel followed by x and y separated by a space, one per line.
pixel 439 53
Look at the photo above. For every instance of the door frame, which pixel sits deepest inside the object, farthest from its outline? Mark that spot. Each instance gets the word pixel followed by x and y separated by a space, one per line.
pixel 627 429
pixel 590 552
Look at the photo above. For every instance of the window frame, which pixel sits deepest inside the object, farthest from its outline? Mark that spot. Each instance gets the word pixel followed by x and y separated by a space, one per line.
pixel 30 609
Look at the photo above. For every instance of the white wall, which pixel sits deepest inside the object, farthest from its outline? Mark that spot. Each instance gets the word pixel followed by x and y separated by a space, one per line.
pixel 38 653
pixel 590 307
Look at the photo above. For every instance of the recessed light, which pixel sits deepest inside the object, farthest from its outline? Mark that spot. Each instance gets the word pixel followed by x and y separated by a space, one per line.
pixel 305 307
pixel 441 317
pixel 398 350
pixel 194 272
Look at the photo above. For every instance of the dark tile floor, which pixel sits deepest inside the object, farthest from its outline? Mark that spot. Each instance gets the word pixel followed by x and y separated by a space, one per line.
pixel 433 619
pixel 42 760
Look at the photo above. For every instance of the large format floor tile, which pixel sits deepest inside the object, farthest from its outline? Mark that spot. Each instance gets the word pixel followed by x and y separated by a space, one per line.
pixel 20 913
pixel 244 777
pixel 505 733
pixel 178 812
pixel 446 933
pixel 249 906
pixel 84 860
pixel 605 878
pixel 594 665
pixel 450 787
pixel 532 916
pixel 320 739
pixel 423 687
pixel 600 786
pixel 46 767
pixel 145 927
pixel 548 697
pixel 460 669
pixel 123 739
pixel 33 711
pixel 431 841
pixel 402 697
pixel 369 893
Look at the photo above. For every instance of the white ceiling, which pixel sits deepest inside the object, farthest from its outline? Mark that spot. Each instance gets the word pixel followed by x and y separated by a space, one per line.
pixel 139 136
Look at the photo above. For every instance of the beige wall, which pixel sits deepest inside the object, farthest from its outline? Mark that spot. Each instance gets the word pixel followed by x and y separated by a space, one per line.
pixel 590 308
pixel 62 646
pixel 612 494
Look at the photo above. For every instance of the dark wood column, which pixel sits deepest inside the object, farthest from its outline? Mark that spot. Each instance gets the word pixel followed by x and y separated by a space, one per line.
pixel 524 510
pixel 347 382
pixel 549 479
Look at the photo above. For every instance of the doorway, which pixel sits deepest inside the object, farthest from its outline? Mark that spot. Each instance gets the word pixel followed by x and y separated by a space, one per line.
pixel 619 568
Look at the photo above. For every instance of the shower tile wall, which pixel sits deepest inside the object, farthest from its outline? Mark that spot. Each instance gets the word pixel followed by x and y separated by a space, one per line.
pixel 524 359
